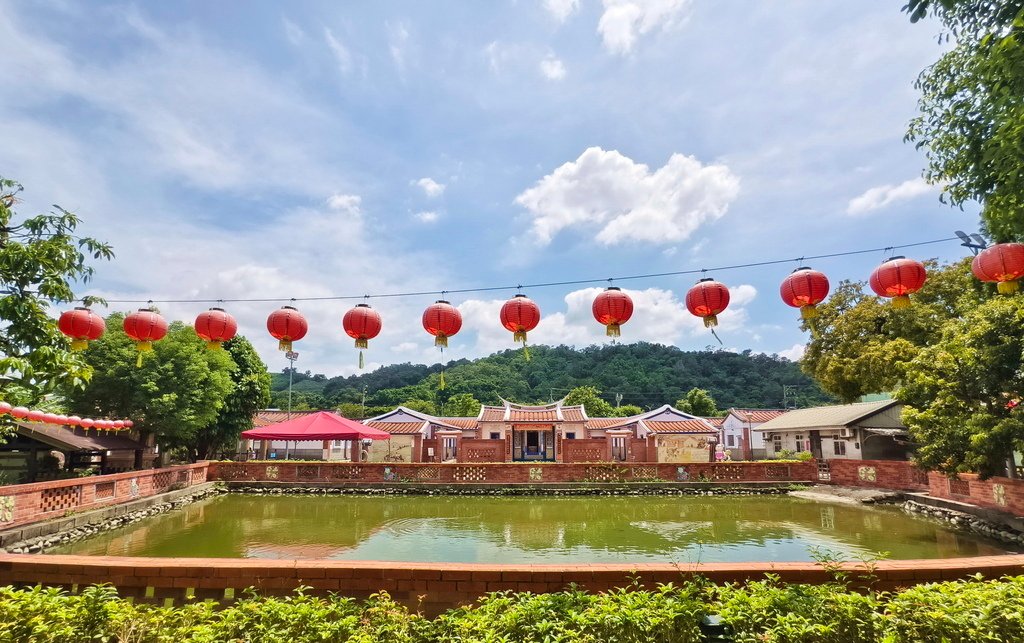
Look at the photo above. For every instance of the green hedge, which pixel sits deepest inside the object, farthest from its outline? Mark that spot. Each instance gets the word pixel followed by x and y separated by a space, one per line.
pixel 758 612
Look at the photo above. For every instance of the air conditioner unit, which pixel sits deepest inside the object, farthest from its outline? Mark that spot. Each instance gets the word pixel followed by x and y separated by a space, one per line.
pixel 846 433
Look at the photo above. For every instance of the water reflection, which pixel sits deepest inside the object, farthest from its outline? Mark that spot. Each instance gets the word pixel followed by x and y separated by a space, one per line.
pixel 525 530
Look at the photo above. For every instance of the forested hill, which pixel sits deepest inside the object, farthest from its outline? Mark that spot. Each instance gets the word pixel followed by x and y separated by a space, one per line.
pixel 646 375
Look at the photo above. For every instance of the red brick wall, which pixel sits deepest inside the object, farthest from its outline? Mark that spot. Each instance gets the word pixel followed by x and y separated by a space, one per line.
pixel 584 450
pixel 1004 494
pixel 480 450
pixel 878 474
pixel 439 585
pixel 511 472
pixel 44 500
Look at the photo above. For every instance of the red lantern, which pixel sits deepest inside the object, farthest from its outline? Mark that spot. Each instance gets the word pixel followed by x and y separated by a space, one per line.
pixel 35 416
pixel 520 315
pixel 82 326
pixel 898 278
pixel 612 308
pixel 287 325
pixel 804 289
pixel 118 424
pixel 62 419
pixel 145 326
pixel 19 412
pixel 442 320
pixel 215 326
pixel 5 408
pixel 707 299
pixel 49 418
pixel 87 423
pixel 362 323
pixel 1002 263
pixel 74 420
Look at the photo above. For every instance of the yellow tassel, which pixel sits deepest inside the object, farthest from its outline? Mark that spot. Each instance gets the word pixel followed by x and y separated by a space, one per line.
pixel 441 340
pixel 519 336
pixel 284 345
pixel 79 344
pixel 808 312
pixel 901 301
pixel 1008 287
pixel 710 321
pixel 144 347
pixel 441 385
pixel 612 330
pixel 526 352
pixel 361 343
pixel 213 346
pixel 360 359
pixel 138 361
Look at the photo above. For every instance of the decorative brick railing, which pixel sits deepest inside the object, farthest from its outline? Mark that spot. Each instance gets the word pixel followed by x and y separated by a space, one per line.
pixel 21 504
pixel 511 473
pixel 878 474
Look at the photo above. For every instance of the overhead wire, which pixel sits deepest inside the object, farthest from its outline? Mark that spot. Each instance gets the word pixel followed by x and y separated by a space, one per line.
pixel 547 284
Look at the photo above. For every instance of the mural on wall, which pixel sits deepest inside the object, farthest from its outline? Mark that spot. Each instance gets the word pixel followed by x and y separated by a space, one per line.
pixel 397 449
pixel 683 448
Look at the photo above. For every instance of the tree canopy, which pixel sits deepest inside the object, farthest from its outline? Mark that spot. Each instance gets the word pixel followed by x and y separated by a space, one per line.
pixel 40 258
pixel 698 402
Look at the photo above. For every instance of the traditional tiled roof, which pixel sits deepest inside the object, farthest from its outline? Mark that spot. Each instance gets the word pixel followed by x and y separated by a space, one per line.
pixel 553 412
pixel 716 422
pixel 493 414
pixel 396 428
pixel 603 423
pixel 757 416
pixel 572 414
pixel 686 426
pixel 267 417
pixel 840 415
pixel 462 423
pixel 533 415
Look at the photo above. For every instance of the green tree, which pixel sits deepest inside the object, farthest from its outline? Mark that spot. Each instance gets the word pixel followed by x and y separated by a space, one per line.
pixel 860 344
pixel 963 392
pixel 178 391
pixel 423 406
pixel 971 122
pixel 698 402
pixel 590 398
pixel 249 394
pixel 627 410
pixel 462 405
pixel 40 257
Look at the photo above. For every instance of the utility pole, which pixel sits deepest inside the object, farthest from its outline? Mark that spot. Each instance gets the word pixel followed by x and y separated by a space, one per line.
pixel 618 400
pixel 291 356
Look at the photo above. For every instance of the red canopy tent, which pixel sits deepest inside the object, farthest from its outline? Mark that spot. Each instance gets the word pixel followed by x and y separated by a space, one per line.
pixel 317 426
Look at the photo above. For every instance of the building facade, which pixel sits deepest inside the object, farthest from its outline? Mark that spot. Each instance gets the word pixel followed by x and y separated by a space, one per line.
pixel 861 431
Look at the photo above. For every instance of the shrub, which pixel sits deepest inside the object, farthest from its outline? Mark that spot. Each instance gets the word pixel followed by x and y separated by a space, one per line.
pixel 958 612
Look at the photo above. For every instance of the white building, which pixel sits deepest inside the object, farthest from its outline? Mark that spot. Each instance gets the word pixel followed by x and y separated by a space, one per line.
pixel 862 431
pixel 737 432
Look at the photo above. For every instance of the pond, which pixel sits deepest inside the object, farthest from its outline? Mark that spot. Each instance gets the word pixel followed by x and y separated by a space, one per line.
pixel 542 529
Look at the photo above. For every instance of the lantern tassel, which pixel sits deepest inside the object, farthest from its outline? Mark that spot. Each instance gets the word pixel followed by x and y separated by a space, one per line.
pixel 79 344
pixel 519 336
pixel 901 301
pixel 143 347
pixel 441 385
pixel 361 363
pixel 361 343
pixel 810 311
pixel 612 330
pixel 710 321
pixel 1004 287
pixel 441 340
pixel 284 345
pixel 526 352
pixel 213 346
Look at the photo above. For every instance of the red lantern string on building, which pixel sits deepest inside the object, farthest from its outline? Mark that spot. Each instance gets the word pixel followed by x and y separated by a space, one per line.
pixel 129 424
pixel 74 420
pixel 145 326
pixel 612 308
pixel 707 299
pixel 1003 264
pixel 19 412
pixel 805 289
pixel 362 324
pixel 215 326
pixel 287 325
pixel 898 278
pixel 5 408
pixel 520 315
pixel 118 424
pixel 35 415
pixel 442 320
pixel 82 326
pixel 87 423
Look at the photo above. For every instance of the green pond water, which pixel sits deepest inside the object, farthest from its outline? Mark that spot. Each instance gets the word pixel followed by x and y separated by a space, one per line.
pixel 532 530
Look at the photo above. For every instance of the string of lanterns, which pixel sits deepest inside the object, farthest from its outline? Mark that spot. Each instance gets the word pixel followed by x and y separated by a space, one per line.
pixel 896 278
pixel 45 417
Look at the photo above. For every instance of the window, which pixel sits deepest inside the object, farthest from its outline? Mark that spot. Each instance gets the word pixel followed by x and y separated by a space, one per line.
pixel 495 435
pixel 800 444
pixel 839 447
pixel 777 442
pixel 571 435
pixel 730 440
pixel 619 449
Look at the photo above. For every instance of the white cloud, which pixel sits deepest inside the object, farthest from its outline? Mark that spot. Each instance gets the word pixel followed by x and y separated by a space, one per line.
pixel 430 187
pixel 625 201
pixel 878 197
pixel 552 68
pixel 658 316
pixel 561 9
pixel 340 51
pixel 406 347
pixel 348 203
pixel 293 32
pixel 793 354
pixel 427 216
pixel 624 21
pixel 398 40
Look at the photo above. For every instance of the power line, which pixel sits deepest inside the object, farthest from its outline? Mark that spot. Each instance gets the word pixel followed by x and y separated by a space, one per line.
pixel 548 284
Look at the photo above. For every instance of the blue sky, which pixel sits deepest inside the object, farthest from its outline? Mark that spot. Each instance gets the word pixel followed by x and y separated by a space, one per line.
pixel 322 148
